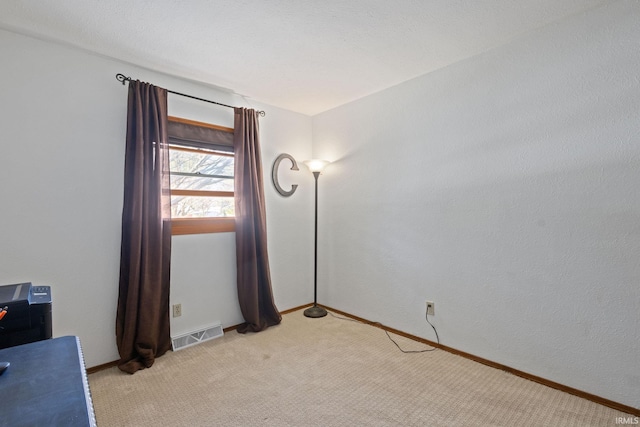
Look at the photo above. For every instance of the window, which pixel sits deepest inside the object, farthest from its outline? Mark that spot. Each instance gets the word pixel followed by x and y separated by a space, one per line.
pixel 201 164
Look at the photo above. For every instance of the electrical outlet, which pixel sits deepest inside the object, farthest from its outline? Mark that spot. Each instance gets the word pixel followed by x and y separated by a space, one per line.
pixel 431 308
pixel 177 310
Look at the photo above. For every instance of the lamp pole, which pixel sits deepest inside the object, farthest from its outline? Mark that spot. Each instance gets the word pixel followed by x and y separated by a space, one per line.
pixel 315 311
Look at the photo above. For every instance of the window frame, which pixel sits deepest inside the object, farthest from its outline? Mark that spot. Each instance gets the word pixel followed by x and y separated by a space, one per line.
pixel 183 226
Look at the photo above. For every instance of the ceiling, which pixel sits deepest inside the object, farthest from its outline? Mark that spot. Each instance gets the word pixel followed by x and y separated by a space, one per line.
pixel 306 56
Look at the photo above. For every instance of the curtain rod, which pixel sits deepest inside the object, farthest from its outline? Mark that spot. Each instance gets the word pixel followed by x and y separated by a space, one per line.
pixel 122 78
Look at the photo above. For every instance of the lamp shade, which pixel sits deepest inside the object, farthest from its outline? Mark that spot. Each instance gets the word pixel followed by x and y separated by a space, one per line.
pixel 316 165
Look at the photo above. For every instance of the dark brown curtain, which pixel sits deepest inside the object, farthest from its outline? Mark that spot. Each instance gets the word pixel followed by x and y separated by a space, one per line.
pixel 142 321
pixel 254 279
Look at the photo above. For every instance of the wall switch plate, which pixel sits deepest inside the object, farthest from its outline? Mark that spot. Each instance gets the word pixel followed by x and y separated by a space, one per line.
pixel 431 308
pixel 177 310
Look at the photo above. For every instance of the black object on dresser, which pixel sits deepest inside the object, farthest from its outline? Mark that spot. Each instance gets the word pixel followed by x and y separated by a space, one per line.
pixel 25 312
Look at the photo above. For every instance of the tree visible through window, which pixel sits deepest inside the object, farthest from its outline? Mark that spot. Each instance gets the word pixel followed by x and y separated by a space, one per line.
pixel 202 167
pixel 201 183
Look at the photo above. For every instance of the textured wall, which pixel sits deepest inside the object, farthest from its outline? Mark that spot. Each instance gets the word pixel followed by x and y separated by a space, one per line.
pixel 505 189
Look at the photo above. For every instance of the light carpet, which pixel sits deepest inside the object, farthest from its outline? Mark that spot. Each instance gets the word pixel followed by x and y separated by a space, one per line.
pixel 329 372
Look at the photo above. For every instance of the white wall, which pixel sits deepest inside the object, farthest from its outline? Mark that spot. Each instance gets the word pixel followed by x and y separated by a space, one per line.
pixel 505 189
pixel 63 122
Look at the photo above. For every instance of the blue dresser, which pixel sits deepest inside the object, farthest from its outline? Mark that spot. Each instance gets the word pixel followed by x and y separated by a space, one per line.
pixel 46 385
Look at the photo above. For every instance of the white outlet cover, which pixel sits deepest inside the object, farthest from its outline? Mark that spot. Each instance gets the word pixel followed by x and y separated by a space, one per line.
pixel 431 308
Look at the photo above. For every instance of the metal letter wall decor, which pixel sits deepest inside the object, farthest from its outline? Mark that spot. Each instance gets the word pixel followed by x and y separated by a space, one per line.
pixel 274 174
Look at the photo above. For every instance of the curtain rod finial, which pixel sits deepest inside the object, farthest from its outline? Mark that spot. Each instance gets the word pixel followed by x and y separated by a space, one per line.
pixel 122 78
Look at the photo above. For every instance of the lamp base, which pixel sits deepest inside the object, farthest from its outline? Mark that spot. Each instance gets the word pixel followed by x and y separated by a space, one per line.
pixel 315 311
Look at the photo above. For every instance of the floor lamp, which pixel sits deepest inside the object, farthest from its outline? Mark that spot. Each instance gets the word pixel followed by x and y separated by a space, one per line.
pixel 315 166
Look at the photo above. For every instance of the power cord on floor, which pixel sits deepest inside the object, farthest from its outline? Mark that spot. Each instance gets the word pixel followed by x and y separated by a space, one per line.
pixel 389 336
